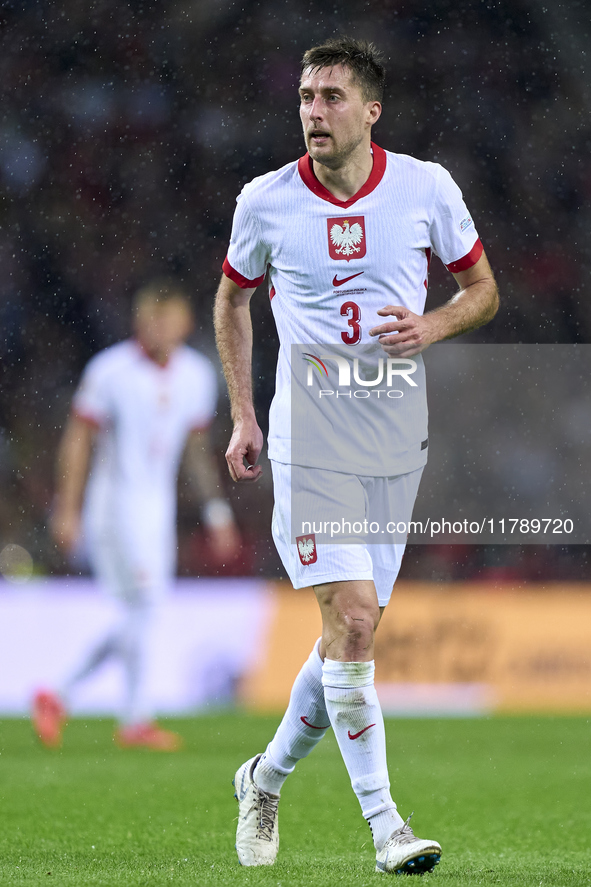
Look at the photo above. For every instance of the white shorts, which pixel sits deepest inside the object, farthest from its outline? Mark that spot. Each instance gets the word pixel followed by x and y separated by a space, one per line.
pixel 133 567
pixel 128 580
pixel 309 562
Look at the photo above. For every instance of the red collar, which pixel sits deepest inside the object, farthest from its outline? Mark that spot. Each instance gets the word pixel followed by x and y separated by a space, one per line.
pixel 308 176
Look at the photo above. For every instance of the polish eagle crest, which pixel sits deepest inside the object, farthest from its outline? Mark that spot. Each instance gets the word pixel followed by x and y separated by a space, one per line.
pixel 306 549
pixel 346 239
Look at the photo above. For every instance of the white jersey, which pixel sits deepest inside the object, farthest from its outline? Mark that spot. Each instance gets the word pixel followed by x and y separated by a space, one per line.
pixel 143 412
pixel 331 265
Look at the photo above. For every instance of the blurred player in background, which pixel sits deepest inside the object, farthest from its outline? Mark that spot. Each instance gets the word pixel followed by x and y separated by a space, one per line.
pixel 347 210
pixel 140 404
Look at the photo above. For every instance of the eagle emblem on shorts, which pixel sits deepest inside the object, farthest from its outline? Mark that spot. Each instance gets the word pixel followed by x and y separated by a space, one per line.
pixel 307 549
pixel 346 237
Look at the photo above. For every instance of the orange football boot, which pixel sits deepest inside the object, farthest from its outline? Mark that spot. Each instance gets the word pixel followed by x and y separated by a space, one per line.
pixel 49 717
pixel 148 736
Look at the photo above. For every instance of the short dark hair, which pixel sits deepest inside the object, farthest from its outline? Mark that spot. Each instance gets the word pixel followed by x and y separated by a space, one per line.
pixel 363 59
pixel 160 291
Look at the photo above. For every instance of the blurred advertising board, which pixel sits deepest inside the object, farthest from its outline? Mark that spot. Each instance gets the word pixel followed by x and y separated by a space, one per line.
pixel 450 649
pixel 207 634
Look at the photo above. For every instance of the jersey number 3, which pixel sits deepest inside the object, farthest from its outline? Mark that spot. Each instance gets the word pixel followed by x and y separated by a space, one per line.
pixel 353 312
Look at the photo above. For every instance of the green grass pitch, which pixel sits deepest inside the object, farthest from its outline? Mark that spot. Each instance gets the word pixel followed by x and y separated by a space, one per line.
pixel 509 799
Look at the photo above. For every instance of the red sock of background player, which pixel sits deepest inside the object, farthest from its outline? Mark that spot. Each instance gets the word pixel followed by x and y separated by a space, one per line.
pixel 304 724
pixel 357 720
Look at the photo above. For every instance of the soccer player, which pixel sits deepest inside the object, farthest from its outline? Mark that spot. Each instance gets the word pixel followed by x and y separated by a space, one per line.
pixel 139 405
pixel 346 210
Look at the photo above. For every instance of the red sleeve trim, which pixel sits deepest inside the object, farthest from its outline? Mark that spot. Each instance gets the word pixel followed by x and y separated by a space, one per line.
pixel 470 259
pixel 87 419
pixel 238 279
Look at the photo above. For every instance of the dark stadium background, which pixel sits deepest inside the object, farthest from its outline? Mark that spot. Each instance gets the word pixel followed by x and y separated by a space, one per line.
pixel 127 129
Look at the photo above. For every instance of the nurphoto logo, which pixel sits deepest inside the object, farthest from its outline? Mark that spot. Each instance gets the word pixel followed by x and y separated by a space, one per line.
pixel 388 371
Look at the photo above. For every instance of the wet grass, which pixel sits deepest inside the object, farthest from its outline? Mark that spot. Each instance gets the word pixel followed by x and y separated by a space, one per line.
pixel 509 799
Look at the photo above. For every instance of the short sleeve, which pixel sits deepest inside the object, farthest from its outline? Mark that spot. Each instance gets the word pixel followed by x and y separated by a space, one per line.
pixel 453 234
pixel 92 400
pixel 205 392
pixel 246 262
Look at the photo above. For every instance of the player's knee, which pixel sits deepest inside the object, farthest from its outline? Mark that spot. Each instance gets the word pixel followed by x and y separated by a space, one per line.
pixel 357 629
pixel 350 617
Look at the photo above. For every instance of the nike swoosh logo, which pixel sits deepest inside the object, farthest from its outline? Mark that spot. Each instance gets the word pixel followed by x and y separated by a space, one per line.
pixel 357 735
pixel 243 788
pixel 337 282
pixel 314 727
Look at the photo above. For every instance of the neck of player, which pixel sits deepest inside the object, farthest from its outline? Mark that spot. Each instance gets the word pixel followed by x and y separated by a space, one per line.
pixel 346 180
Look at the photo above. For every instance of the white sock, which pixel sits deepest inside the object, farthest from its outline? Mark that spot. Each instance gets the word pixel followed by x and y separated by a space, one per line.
pixel 134 641
pixel 304 724
pixel 357 720
pixel 94 659
pixel 128 642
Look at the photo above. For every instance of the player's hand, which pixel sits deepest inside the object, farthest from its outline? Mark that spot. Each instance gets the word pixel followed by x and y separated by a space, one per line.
pixel 224 542
pixel 409 334
pixel 65 526
pixel 246 443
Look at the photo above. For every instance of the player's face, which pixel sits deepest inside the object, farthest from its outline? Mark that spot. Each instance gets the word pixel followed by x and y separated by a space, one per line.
pixel 336 119
pixel 161 328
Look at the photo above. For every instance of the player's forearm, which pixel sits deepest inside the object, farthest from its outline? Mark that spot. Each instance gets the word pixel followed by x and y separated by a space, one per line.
pixel 202 467
pixel 470 308
pixel 217 514
pixel 233 328
pixel 73 464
